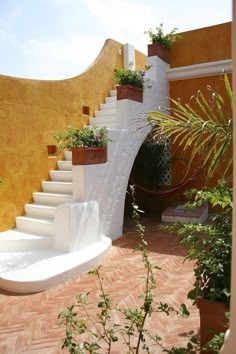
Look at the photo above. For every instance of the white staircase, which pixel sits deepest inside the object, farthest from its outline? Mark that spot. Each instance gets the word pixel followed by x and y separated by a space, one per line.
pixel 29 259
pixel 59 190
pixel 106 116
pixel 40 214
pixel 28 252
pixel 71 223
pixel 35 229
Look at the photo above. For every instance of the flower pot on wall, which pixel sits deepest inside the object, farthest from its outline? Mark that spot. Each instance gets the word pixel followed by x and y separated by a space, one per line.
pixel 212 317
pixel 89 155
pixel 129 92
pixel 155 49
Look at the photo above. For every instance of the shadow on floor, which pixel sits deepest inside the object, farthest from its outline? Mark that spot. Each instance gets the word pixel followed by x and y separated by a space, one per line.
pixel 159 241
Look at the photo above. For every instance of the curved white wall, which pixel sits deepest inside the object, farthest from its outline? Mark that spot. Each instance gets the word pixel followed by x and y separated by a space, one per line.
pixel 107 183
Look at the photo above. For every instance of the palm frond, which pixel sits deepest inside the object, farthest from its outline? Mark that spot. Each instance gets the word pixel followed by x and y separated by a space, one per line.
pixel 205 128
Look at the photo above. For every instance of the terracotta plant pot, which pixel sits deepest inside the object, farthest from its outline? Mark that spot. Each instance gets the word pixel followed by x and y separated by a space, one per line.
pixel 129 92
pixel 212 317
pixel 89 155
pixel 155 49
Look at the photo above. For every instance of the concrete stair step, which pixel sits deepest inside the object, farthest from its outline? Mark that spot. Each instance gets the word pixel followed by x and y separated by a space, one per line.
pixel 61 176
pixel 107 106
pixel 111 99
pixel 107 125
pixel 113 93
pixel 34 226
pixel 112 125
pixel 68 155
pixel 102 120
pixel 40 211
pixel 57 187
pixel 52 199
pixel 16 241
pixel 105 112
pixel 64 165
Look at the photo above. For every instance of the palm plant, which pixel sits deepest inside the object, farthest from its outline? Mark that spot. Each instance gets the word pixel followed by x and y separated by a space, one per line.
pixel 202 125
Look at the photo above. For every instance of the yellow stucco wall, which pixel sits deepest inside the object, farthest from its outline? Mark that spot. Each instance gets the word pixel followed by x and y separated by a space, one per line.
pixel 199 46
pixel 140 60
pixel 32 112
pixel 202 45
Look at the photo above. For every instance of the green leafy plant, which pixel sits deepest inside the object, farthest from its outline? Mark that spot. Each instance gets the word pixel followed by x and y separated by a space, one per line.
pixel 209 245
pixel 85 334
pixel 203 130
pixel 88 136
pixel 165 39
pixel 131 76
pixel 203 125
pixel 215 343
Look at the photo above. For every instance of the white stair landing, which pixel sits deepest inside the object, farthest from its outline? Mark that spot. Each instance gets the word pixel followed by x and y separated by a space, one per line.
pixel 17 241
pixel 32 271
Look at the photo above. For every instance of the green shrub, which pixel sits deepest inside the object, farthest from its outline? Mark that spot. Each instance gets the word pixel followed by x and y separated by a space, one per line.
pixel 131 76
pixel 88 136
pixel 209 245
pixel 158 36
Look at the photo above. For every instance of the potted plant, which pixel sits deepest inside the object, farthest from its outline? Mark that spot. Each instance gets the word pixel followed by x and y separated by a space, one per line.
pixel 131 83
pixel 88 145
pixel 209 246
pixel 161 42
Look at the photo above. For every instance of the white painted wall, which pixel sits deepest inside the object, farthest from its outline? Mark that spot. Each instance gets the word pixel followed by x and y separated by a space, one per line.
pixel 129 55
pixel 77 226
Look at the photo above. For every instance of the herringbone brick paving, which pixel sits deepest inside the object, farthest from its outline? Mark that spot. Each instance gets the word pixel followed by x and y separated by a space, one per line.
pixel 29 323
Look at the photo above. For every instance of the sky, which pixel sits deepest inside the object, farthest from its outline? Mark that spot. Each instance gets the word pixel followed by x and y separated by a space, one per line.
pixel 59 39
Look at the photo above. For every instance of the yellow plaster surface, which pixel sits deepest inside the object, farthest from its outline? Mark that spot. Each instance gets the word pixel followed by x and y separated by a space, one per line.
pixel 202 45
pixel 196 47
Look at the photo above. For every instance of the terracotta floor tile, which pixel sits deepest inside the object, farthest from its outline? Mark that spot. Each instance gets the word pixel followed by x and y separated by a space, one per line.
pixel 29 323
